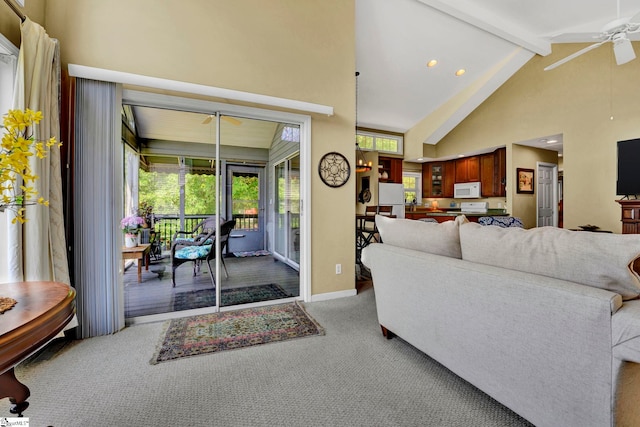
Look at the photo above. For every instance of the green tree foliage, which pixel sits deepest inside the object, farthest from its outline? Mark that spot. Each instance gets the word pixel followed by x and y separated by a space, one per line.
pixel 200 194
pixel 161 190
pixel 245 193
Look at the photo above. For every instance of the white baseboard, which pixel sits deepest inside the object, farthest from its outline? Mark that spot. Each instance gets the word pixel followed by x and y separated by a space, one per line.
pixel 333 295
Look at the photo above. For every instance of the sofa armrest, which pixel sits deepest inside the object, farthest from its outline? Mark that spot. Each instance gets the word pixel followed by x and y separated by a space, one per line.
pixel 626 332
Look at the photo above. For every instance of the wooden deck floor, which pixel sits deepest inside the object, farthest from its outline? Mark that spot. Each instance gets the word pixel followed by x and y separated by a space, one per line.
pixel 155 295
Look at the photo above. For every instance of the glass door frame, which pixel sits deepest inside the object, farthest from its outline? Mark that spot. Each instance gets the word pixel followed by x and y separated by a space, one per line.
pixel 150 99
pixel 286 256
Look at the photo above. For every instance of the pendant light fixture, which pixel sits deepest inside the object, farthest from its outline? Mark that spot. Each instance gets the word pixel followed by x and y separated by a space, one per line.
pixel 361 163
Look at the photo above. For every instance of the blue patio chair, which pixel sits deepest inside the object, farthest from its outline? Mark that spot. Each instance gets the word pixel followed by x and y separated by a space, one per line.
pixel 198 249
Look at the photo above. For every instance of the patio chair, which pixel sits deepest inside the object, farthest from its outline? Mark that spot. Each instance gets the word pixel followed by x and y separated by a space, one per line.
pixel 205 226
pixel 200 248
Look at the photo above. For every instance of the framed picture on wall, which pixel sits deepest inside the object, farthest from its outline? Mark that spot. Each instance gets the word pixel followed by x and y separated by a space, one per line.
pixel 525 180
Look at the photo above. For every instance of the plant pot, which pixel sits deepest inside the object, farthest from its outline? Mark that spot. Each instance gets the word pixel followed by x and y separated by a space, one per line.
pixel 130 240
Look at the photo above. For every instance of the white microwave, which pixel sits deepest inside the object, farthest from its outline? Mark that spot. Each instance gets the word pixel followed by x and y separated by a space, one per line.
pixel 466 190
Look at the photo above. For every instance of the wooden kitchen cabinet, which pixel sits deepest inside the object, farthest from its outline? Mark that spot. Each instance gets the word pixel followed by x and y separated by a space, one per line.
pixel 493 173
pixel 390 170
pixel 438 179
pixel 467 169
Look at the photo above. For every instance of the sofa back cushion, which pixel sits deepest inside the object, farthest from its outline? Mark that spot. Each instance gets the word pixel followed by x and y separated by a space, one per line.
pixel 434 238
pixel 601 260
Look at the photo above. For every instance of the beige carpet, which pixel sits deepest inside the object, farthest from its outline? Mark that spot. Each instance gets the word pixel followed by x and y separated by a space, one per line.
pixel 351 376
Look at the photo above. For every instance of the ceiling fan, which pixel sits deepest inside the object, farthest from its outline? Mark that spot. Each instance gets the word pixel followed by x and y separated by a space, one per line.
pixel 229 119
pixel 615 32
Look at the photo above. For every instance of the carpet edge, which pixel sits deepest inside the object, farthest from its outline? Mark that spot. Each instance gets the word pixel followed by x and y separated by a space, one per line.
pixel 302 307
pixel 163 332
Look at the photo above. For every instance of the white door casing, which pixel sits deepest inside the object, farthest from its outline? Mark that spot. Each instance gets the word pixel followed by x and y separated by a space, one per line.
pixel 547 199
pixel 133 97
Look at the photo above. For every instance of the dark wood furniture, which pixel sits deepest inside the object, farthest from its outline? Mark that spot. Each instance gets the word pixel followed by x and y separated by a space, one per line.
pixel 42 311
pixel 468 169
pixel 438 179
pixel 630 216
pixel 391 168
pixel 490 169
pixel 141 253
pixel 493 173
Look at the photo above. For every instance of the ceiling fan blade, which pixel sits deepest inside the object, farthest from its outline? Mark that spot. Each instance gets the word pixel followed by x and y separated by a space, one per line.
pixel 574 55
pixel 231 120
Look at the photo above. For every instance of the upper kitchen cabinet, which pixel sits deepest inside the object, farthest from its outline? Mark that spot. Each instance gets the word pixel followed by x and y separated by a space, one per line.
pixel 390 170
pixel 438 179
pixel 468 169
pixel 493 173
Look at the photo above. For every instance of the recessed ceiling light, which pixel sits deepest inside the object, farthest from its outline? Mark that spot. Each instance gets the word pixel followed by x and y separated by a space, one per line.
pixel 460 72
pixel 432 63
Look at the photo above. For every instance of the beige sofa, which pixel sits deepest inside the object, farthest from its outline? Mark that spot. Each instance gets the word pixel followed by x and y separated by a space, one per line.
pixel 546 321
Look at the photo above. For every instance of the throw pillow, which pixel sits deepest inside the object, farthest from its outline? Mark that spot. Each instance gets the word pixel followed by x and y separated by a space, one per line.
pixel 435 238
pixel 601 260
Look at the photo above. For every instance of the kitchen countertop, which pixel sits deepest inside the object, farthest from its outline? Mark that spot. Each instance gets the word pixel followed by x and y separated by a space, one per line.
pixel 452 212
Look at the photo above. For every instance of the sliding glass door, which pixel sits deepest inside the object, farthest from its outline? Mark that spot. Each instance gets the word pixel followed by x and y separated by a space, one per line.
pixel 193 185
pixel 287 210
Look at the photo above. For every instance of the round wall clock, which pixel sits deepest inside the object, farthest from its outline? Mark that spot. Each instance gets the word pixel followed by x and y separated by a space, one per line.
pixel 334 169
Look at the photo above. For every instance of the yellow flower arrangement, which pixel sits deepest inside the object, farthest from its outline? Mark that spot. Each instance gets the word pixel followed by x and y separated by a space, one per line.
pixel 15 151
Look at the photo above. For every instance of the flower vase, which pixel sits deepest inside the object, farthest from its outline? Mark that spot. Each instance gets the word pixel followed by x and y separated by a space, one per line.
pixel 130 240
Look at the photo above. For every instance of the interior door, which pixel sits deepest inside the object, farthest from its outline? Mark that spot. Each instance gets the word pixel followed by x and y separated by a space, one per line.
pixel 547 195
pixel 244 189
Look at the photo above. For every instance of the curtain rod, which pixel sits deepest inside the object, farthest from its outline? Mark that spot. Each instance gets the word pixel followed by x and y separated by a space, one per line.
pixel 15 9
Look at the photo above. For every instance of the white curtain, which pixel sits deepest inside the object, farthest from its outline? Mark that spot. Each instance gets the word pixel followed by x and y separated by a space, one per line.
pixel 37 250
pixel 131 167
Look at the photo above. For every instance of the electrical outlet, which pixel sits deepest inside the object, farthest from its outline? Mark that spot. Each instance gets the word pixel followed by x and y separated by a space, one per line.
pixel 338 268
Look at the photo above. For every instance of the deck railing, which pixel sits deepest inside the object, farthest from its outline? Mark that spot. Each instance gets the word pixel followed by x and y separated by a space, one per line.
pixel 166 226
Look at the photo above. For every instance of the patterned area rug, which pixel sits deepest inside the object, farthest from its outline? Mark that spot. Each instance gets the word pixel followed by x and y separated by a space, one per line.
pixel 210 333
pixel 231 296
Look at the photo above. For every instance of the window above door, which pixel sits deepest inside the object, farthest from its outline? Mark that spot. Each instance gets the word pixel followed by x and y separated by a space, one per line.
pixel 381 142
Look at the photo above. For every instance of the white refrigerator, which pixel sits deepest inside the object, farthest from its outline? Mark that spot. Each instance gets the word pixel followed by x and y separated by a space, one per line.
pixel 392 194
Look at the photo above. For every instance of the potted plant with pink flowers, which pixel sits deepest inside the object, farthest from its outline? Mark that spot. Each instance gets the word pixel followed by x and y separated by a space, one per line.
pixel 130 225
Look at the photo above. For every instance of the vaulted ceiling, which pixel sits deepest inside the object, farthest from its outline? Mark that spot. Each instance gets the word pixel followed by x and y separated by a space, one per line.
pixel 490 39
pixel 395 40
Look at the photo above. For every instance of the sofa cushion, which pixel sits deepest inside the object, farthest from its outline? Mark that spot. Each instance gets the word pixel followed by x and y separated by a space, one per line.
pixel 501 221
pixel 596 259
pixel 435 238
